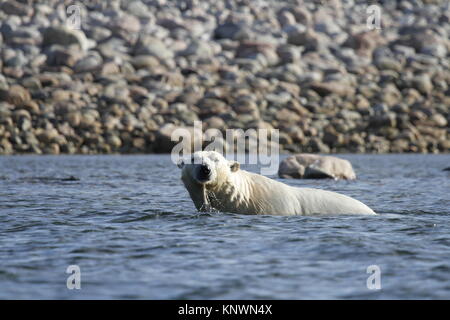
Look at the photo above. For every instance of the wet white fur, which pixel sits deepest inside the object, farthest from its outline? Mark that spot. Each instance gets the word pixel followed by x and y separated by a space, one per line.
pixel 230 189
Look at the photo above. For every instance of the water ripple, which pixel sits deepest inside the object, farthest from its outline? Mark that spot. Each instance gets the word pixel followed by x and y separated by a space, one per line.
pixel 131 227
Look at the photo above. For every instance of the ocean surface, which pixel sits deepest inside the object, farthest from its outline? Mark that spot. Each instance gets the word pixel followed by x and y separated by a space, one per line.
pixel 129 225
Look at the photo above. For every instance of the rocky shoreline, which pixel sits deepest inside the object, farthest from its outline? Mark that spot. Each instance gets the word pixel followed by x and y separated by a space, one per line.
pixel 136 70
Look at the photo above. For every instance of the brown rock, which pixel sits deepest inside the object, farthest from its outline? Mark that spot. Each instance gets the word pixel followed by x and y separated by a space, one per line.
pixel 215 122
pixel 52 148
pixel 333 87
pixel 439 120
pixel 249 49
pixel 31 106
pixel 365 42
pixel 109 68
pixel 16 95
pixel 287 116
pixel 210 106
pixel 114 141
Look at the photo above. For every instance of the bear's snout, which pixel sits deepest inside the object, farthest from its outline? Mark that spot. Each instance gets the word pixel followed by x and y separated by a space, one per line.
pixel 204 172
pixel 205 169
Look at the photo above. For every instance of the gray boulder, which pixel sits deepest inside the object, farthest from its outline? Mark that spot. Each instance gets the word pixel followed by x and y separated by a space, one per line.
pixel 311 166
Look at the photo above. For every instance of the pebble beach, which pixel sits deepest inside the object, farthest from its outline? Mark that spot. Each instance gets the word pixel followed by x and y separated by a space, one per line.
pixel 135 71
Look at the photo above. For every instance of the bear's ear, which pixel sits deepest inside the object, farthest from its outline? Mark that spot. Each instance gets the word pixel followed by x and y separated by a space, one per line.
pixel 180 164
pixel 234 166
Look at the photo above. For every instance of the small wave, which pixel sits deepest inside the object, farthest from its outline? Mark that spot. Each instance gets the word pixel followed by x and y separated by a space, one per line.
pixel 47 180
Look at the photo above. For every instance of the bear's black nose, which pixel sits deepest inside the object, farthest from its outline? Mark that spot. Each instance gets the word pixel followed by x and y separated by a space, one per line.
pixel 204 170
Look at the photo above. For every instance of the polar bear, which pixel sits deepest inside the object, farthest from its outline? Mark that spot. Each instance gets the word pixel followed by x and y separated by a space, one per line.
pixel 215 183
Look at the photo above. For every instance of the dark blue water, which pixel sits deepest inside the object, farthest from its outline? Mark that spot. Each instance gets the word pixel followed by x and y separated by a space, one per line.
pixel 130 226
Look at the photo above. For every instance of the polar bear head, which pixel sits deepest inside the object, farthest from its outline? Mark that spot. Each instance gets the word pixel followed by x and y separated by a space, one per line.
pixel 207 168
